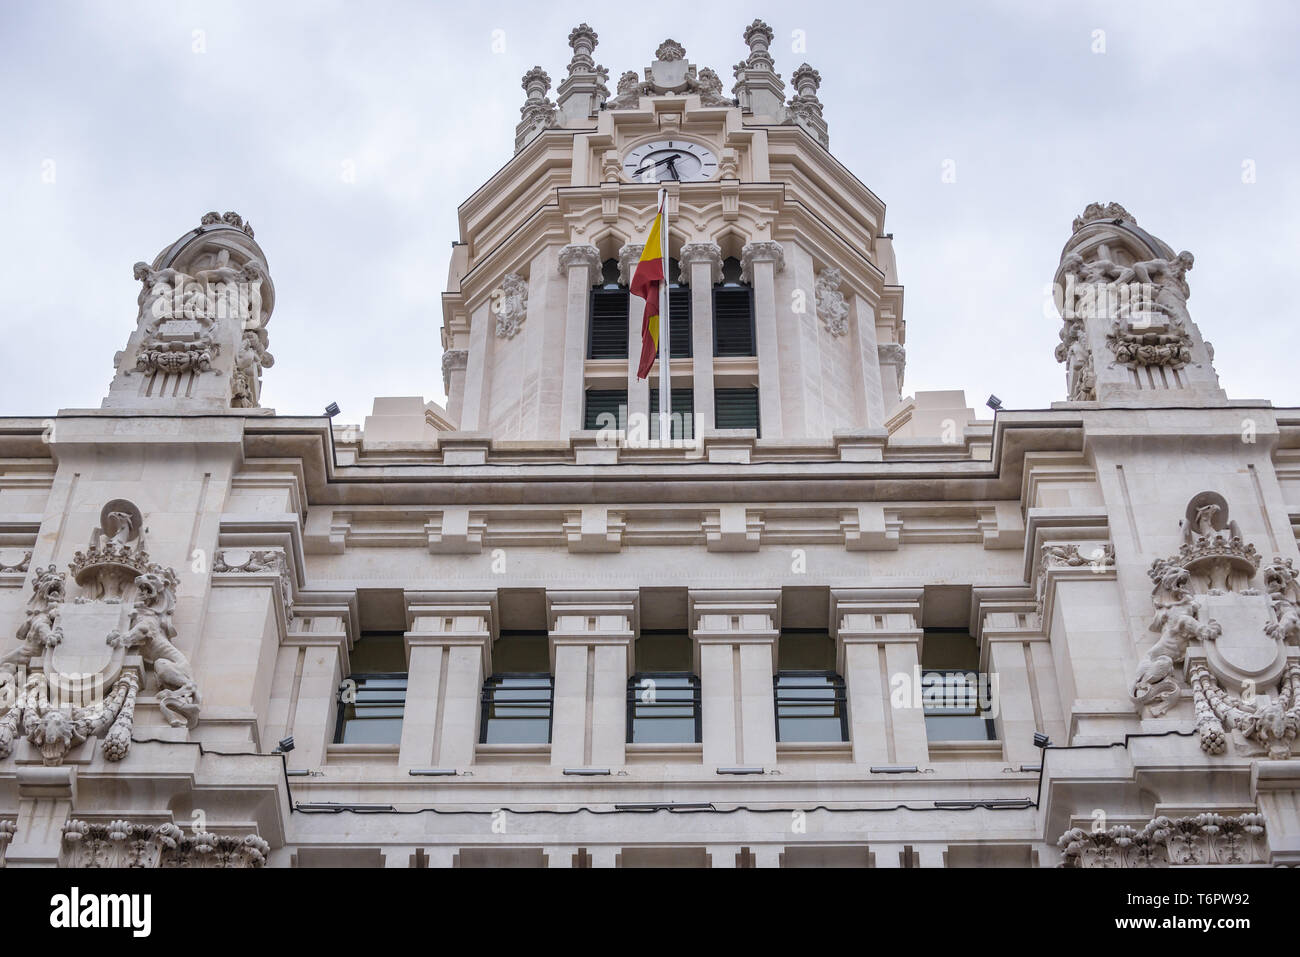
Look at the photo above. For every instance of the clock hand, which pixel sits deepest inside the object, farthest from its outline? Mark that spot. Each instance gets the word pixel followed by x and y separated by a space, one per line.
pixel 667 159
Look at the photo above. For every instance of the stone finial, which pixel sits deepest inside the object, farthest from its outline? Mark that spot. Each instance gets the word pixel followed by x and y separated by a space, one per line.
pixel 758 86
pixel 538 111
pixel 583 40
pixel 805 108
pixel 807 81
pixel 758 37
pixel 669 51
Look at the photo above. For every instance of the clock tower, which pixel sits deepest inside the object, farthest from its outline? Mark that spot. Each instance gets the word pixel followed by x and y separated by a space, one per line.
pixel 787 313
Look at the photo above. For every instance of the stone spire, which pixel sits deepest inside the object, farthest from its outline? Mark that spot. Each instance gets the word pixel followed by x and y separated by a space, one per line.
pixel 538 111
pixel 1127 336
pixel 758 85
pixel 200 342
pixel 805 108
pixel 581 94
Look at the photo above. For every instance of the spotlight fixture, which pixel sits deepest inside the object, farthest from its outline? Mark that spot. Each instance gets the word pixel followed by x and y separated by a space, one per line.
pixel 994 403
pixel 332 409
pixel 740 770
pixel 1041 740
pixel 586 772
pixel 285 746
pixel 432 772
pixel 894 769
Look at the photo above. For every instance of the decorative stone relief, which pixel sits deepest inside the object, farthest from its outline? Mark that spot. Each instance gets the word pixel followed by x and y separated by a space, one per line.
pixel 271 560
pixel 710 89
pixel 669 51
pixel 1155 332
pixel 1206 839
pixel 230 219
pixel 1103 212
pixel 510 303
pixel 250 359
pixel 78 648
pixel 453 360
pixel 21 566
pixel 831 307
pixel 762 251
pixel 123 844
pixel 1237 645
pixel 1070 555
pixel 174 340
pixel 630 89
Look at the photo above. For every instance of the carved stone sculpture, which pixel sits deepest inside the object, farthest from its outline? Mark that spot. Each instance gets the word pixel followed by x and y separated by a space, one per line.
pixel 124 844
pixel 1178 620
pixel 41 628
pixel 510 303
pixel 149 634
pixel 831 307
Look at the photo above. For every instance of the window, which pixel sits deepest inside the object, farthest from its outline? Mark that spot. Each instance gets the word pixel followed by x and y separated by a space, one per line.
pixel 810 702
pixel 956 696
pixel 736 409
pixel 663 696
pixel 605 402
pixel 373 696
pixel 607 328
pixel 733 313
pixel 679 315
pixel 517 697
pixel 683 410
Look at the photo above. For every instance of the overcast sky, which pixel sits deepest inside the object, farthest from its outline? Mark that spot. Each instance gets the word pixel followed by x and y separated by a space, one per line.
pixel 147 115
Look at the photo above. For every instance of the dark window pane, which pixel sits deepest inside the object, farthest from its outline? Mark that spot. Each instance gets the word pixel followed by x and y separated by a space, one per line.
pixel 663 708
pixel 605 401
pixel 955 701
pixel 736 409
pixel 607 335
pixel 683 410
pixel 679 321
pixel 733 321
pixel 370 709
pixel 517 709
pixel 810 707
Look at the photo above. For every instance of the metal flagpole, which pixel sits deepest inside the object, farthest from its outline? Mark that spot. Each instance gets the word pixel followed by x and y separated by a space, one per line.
pixel 665 346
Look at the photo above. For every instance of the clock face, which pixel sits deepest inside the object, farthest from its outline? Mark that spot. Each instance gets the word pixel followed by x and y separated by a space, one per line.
pixel 659 161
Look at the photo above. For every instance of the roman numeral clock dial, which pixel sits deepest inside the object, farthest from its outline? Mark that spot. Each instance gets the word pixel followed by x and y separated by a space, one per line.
pixel 679 160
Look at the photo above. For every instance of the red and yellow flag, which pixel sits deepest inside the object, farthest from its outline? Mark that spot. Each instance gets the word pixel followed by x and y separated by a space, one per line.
pixel 646 281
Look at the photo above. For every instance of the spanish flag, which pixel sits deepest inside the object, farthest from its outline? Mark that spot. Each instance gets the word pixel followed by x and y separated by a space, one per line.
pixel 647 279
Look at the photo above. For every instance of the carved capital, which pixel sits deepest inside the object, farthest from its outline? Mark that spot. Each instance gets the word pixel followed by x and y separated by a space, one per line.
pixel 579 254
pixel 761 251
pixel 628 256
pixel 708 253
pixel 453 360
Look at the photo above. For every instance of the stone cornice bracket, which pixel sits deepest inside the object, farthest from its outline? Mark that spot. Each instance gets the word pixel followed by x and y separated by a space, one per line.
pixel 595 528
pixel 707 252
pixel 893 354
pixel 734 616
pixel 628 256
pixel 453 360
pixel 579 254
pixel 538 111
pixel 732 528
pixel 760 251
pixel 831 307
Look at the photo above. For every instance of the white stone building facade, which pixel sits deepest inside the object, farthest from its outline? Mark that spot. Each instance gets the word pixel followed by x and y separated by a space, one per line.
pixel 522 631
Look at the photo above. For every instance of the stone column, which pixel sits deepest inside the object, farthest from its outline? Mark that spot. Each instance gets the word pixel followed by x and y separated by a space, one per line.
pixel 1013 679
pixel 878 638
pixel 454 363
pixel 701 265
pixel 638 390
pixel 759 264
pixel 305 686
pixel 735 635
pixel 869 371
pixel 448 657
pixel 591 659
pixel 580 263
pixel 476 409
